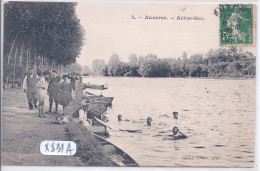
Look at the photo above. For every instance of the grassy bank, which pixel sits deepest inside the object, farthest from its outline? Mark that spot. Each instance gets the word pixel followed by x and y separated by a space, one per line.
pixel 23 131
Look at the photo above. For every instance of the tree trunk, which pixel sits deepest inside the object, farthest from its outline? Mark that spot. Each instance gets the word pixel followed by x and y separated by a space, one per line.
pixel 11 50
pixel 43 63
pixel 52 65
pixel 61 70
pixel 14 67
pixel 21 56
pixel 58 69
pixel 35 63
pixel 9 56
pixel 27 61
pixel 29 57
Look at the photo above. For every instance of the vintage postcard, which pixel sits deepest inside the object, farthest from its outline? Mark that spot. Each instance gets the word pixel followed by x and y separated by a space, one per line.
pixel 129 84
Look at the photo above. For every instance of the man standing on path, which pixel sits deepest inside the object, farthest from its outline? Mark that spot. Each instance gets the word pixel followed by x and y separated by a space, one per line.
pixel 73 79
pixel 53 90
pixel 29 86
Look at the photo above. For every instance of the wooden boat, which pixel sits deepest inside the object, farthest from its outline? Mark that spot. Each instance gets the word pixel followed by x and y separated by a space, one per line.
pixel 115 154
pixel 91 98
pixel 105 100
pixel 98 102
pixel 94 110
pixel 93 86
pixel 106 86
pixel 96 105
pixel 86 93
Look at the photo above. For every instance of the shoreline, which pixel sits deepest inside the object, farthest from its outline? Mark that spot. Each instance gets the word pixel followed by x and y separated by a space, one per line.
pixel 212 78
pixel 19 124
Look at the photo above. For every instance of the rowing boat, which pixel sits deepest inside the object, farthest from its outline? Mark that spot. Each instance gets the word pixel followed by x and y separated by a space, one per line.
pixel 94 86
pixel 115 154
pixel 89 97
pixel 105 100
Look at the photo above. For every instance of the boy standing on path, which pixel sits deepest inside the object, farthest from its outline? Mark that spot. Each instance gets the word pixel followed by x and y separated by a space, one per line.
pixel 53 90
pixel 29 86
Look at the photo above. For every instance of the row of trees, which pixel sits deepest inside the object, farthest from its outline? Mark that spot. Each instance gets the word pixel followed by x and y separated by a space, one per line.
pixel 40 35
pixel 230 62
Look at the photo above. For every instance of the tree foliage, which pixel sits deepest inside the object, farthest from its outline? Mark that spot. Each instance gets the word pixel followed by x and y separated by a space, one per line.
pixel 46 33
pixel 114 65
pixel 98 66
pixel 231 62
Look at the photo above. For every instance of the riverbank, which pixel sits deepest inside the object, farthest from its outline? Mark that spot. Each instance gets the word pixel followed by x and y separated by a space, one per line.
pixel 23 131
pixel 211 77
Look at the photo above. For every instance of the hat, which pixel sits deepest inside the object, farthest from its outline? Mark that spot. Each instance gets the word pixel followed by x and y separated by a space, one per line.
pixel 54 70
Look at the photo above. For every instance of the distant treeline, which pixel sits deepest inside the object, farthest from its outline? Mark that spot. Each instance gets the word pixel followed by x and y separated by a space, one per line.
pixel 231 62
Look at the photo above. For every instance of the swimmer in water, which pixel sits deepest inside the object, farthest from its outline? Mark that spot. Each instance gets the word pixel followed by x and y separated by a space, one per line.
pixel 175 131
pixel 119 117
pixel 149 121
pixel 175 115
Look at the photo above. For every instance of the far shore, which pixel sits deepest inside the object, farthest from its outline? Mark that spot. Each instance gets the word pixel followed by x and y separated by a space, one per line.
pixel 218 78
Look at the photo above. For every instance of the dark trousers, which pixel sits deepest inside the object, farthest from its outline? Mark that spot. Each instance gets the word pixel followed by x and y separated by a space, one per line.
pixel 51 99
pixel 32 99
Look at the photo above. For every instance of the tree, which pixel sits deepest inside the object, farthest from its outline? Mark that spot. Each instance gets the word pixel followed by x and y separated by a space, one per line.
pixel 75 68
pixel 98 65
pixel 133 66
pixel 133 60
pixel 148 66
pixel 196 59
pixel 114 65
pixel 85 70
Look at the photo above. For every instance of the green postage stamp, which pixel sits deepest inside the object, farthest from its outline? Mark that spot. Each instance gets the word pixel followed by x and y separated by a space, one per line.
pixel 236 24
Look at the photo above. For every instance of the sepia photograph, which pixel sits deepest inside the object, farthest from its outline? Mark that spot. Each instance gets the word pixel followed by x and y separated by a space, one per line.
pixel 128 84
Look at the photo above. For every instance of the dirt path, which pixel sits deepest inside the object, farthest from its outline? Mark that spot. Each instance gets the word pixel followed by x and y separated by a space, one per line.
pixel 23 131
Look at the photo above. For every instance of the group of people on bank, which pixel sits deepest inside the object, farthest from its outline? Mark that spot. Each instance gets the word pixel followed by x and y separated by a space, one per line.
pixel 38 86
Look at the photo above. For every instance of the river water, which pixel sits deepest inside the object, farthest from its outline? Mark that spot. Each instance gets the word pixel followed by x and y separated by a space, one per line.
pixel 217 115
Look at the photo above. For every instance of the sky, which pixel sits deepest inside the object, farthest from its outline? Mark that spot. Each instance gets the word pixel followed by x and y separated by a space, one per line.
pixel 109 29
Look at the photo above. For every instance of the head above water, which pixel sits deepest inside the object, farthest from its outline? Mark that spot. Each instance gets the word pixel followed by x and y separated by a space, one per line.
pixel 175 130
pixel 119 117
pixel 175 115
pixel 149 121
